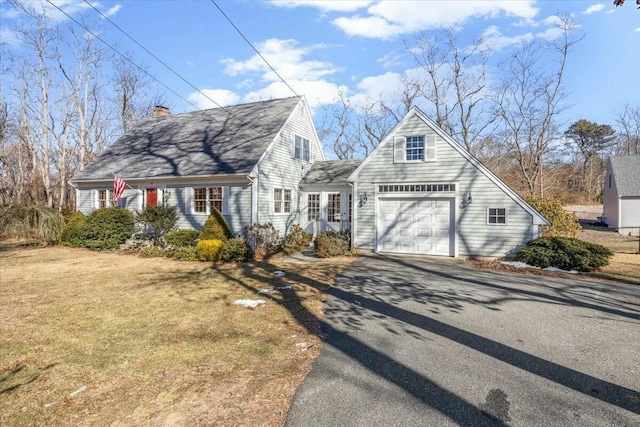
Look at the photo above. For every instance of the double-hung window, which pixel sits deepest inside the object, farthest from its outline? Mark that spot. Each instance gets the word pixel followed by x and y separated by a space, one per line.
pixel 281 201
pixel 205 199
pixel 496 216
pixel 301 148
pixel 415 148
pixel 105 199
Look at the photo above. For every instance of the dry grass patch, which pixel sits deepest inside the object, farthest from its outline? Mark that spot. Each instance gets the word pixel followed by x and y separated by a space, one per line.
pixel 154 341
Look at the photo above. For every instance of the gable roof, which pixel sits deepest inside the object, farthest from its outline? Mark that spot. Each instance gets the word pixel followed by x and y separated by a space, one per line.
pixel 626 171
pixel 463 152
pixel 228 140
pixel 330 172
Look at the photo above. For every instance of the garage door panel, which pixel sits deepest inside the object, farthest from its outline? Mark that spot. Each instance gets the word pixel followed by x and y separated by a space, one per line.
pixel 415 226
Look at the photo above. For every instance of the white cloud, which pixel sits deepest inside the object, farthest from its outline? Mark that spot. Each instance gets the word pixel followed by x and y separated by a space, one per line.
pixel 191 64
pixel 113 10
pixel 223 97
pixel 9 38
pixel 611 11
pixel 317 92
pixel 391 59
pixel 325 5
pixel 594 8
pixel 637 30
pixel 387 19
pixel 285 57
pixel 495 40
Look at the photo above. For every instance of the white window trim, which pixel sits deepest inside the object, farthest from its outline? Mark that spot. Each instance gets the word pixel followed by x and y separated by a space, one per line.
pixel 191 201
pixel 96 197
pixel 272 201
pixel 400 149
pixel 293 149
pixel 339 212
pixel 319 207
pixel 497 223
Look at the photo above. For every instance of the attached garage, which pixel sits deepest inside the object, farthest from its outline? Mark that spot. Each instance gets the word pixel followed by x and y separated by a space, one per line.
pixel 416 226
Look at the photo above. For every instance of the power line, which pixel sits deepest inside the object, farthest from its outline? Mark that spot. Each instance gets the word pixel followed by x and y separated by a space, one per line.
pixel 123 56
pixel 154 56
pixel 256 50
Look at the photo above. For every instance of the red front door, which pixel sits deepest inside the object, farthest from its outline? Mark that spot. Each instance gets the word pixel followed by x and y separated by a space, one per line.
pixel 152 197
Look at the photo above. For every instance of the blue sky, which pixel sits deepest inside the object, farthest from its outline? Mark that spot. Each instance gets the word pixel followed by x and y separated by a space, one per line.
pixel 357 47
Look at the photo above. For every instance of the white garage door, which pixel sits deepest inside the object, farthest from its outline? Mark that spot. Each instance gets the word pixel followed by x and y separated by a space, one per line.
pixel 415 226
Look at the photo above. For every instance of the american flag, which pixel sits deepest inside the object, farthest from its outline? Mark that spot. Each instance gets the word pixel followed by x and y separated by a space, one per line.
pixel 118 188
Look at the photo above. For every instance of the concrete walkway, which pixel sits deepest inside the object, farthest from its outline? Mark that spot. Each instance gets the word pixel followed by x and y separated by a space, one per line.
pixel 432 342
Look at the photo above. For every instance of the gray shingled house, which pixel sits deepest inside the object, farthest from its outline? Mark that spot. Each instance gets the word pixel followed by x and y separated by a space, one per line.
pixel 621 194
pixel 418 192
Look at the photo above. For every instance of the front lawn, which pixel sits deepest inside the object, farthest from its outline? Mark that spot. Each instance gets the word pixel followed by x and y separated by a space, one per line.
pixel 92 338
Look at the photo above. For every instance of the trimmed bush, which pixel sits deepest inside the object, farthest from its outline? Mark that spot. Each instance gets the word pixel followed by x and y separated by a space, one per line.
pixel 182 238
pixel 332 243
pixel 153 252
pixel 157 221
pixel 32 222
pixel 185 253
pixel 210 249
pixel 563 223
pixel 216 227
pixel 236 250
pixel 107 228
pixel 298 237
pixel 565 253
pixel 73 233
pixel 263 240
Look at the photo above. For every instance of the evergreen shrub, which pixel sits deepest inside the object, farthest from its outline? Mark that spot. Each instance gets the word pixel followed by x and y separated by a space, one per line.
pixel 565 253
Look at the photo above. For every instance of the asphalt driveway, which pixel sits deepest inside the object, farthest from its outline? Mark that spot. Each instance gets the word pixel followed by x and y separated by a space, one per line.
pixel 430 342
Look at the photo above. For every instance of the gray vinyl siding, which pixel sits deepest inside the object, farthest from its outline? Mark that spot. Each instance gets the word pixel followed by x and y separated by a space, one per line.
pixel 474 236
pixel 239 203
pixel 278 169
pixel 610 199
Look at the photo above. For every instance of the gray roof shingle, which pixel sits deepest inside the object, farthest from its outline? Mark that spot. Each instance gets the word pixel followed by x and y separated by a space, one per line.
pixel 209 142
pixel 626 171
pixel 330 172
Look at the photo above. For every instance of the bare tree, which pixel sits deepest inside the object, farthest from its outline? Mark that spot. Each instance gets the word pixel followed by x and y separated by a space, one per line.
pixel 628 123
pixel 530 99
pixel 456 84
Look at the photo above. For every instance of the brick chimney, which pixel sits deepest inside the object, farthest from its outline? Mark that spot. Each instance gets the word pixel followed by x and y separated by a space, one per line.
pixel 160 111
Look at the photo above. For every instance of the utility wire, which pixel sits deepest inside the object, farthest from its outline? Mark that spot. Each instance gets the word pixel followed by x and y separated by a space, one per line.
pixel 123 56
pixel 154 56
pixel 256 50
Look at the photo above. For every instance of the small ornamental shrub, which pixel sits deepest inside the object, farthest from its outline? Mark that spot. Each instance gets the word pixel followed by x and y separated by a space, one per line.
pixel 263 240
pixel 185 253
pixel 157 221
pixel 332 243
pixel 563 223
pixel 216 227
pixel 182 238
pixel 565 253
pixel 73 233
pixel 236 250
pixel 153 252
pixel 298 237
pixel 210 249
pixel 107 228
pixel 32 222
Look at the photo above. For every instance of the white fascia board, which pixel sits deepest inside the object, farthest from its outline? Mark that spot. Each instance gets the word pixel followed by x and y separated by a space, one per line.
pixel 231 178
pixel 307 112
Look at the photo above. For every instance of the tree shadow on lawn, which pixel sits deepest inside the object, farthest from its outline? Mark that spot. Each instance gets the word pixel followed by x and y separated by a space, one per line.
pixel 363 290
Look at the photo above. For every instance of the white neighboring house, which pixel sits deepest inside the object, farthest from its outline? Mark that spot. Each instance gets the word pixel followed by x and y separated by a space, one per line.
pixel 418 192
pixel 621 194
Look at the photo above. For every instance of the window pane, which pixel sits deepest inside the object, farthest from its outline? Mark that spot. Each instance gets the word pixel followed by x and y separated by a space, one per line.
pixel 200 200
pixel 415 148
pixel 215 198
pixel 313 207
pixel 305 149
pixel 333 208
pixel 287 201
pixel 297 148
pixel 277 200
